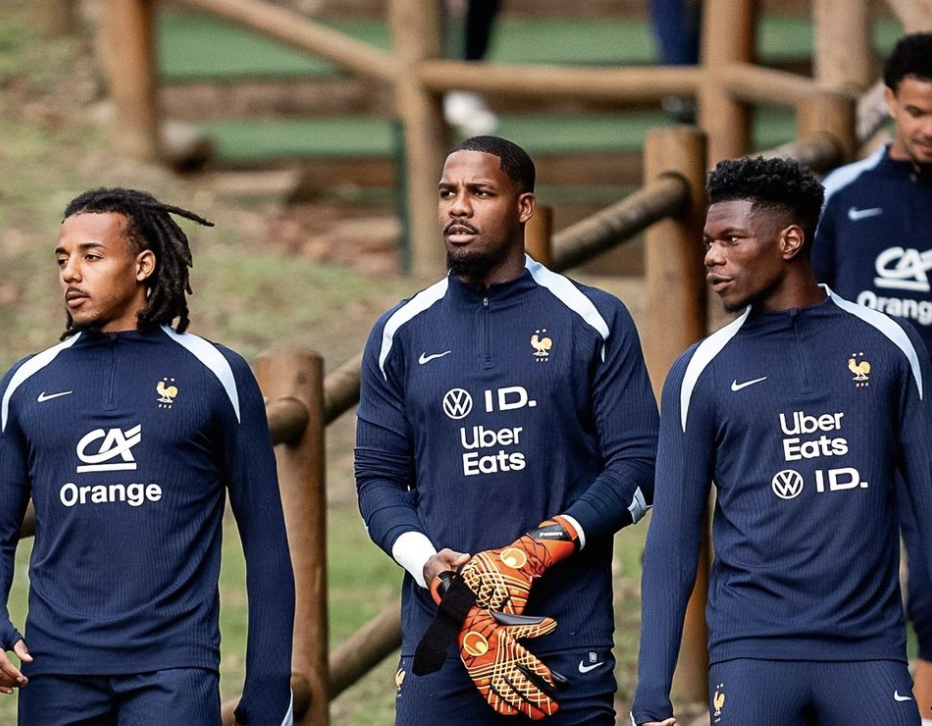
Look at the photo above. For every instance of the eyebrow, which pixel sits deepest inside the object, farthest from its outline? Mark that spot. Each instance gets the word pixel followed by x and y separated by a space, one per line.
pixel 469 184
pixel 731 229
pixel 83 246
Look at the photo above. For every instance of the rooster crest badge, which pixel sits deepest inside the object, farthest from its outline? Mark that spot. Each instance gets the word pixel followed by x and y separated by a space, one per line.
pixel 718 701
pixel 860 368
pixel 167 392
pixel 541 345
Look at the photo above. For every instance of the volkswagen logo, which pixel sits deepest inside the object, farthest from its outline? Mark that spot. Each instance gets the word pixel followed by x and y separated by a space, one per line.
pixel 787 484
pixel 457 403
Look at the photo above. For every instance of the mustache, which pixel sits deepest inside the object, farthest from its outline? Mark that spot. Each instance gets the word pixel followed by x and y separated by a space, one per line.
pixel 461 224
pixel 73 288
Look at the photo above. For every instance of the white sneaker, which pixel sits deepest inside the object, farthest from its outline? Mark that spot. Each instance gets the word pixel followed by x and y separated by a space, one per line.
pixel 469 113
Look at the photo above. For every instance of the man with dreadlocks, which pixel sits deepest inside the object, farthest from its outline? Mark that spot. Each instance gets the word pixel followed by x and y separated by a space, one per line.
pixel 127 436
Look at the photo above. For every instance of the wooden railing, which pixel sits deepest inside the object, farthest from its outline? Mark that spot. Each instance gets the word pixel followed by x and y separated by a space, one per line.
pixel 727 85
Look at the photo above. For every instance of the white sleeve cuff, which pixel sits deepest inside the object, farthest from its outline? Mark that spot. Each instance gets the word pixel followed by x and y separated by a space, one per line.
pixel 579 530
pixel 412 550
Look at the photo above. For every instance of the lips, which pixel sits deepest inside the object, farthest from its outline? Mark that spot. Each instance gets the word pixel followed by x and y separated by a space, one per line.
pixel 458 232
pixel 718 282
pixel 74 298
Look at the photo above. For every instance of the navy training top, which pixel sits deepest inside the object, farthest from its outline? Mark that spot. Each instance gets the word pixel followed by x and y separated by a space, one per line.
pixel 127 443
pixel 487 410
pixel 801 418
pixel 874 241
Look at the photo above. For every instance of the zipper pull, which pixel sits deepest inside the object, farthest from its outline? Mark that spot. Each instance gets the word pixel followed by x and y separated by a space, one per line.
pixel 485 302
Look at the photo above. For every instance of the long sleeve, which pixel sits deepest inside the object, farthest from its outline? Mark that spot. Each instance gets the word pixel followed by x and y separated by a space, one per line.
pixel 256 503
pixel 684 471
pixel 626 420
pixel 384 451
pixel 915 463
pixel 14 496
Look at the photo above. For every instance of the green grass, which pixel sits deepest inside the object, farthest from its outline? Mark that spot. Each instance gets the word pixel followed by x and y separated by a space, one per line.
pixel 197 47
pixel 247 142
pixel 194 47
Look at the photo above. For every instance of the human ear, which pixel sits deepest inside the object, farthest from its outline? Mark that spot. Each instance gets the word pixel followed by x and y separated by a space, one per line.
pixel 527 203
pixel 792 240
pixel 145 265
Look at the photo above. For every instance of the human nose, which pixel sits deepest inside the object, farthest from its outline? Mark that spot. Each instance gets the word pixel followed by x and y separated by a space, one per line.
pixel 70 271
pixel 460 206
pixel 713 255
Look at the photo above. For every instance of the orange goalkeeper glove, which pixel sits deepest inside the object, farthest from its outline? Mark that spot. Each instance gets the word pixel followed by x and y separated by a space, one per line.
pixel 508 676
pixel 502 578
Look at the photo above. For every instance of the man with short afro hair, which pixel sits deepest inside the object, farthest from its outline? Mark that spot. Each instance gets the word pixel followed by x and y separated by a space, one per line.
pixel 801 411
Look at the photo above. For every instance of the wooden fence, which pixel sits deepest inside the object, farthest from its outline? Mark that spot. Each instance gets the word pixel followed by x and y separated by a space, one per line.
pixel 727 85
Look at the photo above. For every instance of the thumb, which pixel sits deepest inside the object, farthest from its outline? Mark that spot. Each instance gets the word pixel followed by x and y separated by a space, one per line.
pixel 539 626
pixel 22 651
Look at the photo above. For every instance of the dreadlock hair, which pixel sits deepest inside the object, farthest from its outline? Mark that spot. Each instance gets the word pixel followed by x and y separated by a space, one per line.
pixel 911 56
pixel 778 184
pixel 515 161
pixel 149 226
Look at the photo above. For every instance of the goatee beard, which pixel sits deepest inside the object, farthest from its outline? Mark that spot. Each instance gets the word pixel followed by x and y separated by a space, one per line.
pixel 469 265
pixel 473 265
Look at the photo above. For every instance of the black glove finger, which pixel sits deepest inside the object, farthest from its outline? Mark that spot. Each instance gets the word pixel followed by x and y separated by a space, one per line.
pixel 500 687
pixel 534 700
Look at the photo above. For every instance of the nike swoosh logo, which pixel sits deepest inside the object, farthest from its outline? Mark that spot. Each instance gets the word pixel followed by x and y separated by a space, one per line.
pixel 735 386
pixel 855 214
pixel 43 398
pixel 583 668
pixel 428 358
pixel 898 697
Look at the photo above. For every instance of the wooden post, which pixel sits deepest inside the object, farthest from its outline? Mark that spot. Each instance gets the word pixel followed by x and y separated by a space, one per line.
pixel 676 306
pixel 538 235
pixel 675 276
pixel 416 35
pixel 54 18
pixel 834 114
pixel 916 15
pixel 843 47
pixel 728 36
pixel 300 375
pixel 129 57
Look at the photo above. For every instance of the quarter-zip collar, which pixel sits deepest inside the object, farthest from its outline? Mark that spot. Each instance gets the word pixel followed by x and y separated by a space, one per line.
pixel 88 339
pixel 498 295
pixel 919 174
pixel 779 319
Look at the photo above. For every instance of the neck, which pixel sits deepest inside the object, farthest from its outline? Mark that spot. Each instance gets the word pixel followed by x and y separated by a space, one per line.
pixel 797 290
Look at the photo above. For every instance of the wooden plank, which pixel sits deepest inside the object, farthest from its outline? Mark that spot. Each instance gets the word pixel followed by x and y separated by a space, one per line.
pixel 299 32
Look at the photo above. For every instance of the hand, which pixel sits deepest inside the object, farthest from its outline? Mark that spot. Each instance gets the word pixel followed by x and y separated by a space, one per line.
pixel 502 578
pixel 10 676
pixel 668 722
pixel 445 559
pixel 508 676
